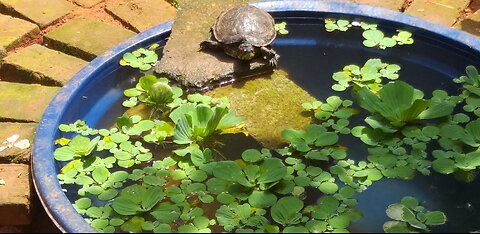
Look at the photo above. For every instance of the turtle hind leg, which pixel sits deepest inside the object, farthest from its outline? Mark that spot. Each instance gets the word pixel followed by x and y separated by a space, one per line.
pixel 211 45
pixel 270 55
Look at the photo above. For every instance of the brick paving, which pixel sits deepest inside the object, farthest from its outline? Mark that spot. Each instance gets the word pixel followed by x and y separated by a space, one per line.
pixel 13 31
pixel 39 64
pixel 141 15
pixel 47 30
pixel 86 38
pixel 41 12
pixel 15 195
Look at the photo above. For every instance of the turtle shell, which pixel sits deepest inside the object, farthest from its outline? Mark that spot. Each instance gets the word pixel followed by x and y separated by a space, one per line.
pixel 245 24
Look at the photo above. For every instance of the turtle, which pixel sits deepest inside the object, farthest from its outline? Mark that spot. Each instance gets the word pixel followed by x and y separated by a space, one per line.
pixel 244 32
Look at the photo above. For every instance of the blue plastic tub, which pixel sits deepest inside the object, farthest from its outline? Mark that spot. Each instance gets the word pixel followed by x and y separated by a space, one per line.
pixel 95 93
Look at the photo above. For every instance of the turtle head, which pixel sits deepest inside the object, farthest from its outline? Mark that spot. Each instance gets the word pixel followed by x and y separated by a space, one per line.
pixel 246 51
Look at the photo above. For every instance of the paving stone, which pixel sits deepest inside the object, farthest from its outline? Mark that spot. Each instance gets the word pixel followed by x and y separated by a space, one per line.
pixel 262 104
pixel 444 12
pixel 142 14
pixel 88 3
pixel 13 31
pixel 390 4
pixel 87 38
pixel 42 12
pixel 40 65
pixel 16 150
pixel 15 195
pixel 471 24
pixel 23 102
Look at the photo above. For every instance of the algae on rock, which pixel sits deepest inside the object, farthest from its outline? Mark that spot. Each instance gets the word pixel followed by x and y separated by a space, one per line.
pixel 268 104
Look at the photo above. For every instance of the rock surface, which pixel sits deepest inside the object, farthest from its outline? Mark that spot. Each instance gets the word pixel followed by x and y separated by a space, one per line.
pixel 268 104
pixel 182 57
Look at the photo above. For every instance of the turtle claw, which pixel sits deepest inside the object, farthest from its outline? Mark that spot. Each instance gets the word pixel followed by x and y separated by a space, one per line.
pixel 273 62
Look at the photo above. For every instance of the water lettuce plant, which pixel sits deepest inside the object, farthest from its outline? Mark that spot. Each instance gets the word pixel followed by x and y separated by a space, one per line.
pixel 373 37
pixel 153 91
pixel 281 28
pixel 372 75
pixel 398 103
pixel 341 25
pixel 143 59
pixel 408 216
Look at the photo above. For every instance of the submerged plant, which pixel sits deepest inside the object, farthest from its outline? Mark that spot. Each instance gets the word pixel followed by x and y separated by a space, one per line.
pixel 410 217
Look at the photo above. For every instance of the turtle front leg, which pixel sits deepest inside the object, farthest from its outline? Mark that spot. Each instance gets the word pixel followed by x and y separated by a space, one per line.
pixel 270 55
pixel 211 45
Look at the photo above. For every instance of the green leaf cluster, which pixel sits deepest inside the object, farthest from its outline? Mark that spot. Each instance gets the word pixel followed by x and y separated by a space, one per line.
pixel 376 38
pixel 471 90
pixel 143 59
pixel 255 181
pixel 340 25
pixel 373 36
pixel 281 28
pixel 408 216
pixel 195 123
pixel 398 103
pixel 153 91
pixel 333 114
pixel 371 75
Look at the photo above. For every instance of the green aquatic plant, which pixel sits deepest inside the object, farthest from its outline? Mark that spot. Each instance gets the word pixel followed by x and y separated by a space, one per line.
pixel 143 59
pixel 373 37
pixel 403 38
pixel 255 182
pixel 408 216
pixel 153 91
pixel 471 90
pixel 376 38
pixel 78 147
pixel 398 103
pixel 194 124
pixel 281 28
pixel 341 25
pixel 370 75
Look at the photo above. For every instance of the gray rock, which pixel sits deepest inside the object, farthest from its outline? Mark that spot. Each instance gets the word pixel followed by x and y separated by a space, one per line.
pixel 183 60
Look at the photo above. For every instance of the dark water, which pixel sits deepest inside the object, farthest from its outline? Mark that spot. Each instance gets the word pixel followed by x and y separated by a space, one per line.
pixel 311 55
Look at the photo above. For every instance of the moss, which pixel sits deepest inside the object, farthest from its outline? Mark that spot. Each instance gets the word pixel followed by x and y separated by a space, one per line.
pixel 269 104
